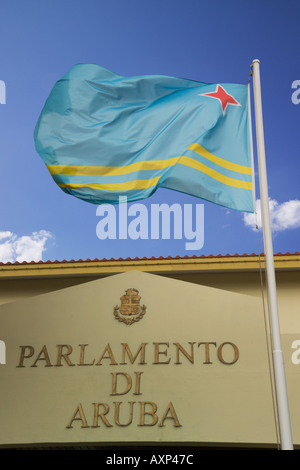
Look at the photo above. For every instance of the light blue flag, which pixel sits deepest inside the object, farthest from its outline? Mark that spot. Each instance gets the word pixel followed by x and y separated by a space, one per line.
pixel 102 136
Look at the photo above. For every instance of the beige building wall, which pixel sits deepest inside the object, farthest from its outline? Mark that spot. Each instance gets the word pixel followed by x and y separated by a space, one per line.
pixel 233 275
pixel 240 274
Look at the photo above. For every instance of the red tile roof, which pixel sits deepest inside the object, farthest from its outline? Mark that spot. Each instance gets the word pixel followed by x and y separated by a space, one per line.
pixel 145 258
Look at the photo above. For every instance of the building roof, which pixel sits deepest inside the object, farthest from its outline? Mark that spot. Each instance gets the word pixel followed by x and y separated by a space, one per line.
pixel 98 267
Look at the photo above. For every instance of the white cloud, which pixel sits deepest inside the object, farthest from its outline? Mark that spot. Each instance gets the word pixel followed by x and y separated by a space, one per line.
pixel 284 216
pixel 4 235
pixel 24 248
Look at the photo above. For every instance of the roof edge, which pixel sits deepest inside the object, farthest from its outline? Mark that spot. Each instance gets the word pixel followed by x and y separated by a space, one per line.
pixel 99 267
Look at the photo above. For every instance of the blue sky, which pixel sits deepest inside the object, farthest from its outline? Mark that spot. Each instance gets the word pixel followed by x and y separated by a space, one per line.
pixel 211 42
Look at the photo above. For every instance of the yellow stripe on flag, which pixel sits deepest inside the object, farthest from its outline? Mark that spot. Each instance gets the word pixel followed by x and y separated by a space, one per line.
pixel 187 161
pixel 111 170
pixel 127 186
pixel 78 170
pixel 144 165
pixel 220 161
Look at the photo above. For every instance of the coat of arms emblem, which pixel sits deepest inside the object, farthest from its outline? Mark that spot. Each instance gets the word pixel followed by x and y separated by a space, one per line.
pixel 130 310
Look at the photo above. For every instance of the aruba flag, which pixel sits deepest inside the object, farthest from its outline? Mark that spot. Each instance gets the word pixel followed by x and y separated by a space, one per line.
pixel 103 135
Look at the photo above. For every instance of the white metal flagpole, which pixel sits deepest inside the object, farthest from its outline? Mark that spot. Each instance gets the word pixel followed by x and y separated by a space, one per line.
pixel 278 363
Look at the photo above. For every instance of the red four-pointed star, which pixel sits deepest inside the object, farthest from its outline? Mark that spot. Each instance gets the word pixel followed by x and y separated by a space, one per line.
pixel 224 98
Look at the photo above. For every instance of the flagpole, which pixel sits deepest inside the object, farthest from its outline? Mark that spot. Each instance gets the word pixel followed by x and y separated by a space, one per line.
pixel 278 362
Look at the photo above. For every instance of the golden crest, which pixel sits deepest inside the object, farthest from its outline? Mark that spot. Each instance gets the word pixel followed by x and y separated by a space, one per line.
pixel 130 310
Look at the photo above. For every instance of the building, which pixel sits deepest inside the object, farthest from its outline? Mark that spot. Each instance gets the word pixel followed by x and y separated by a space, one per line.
pixel 184 363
